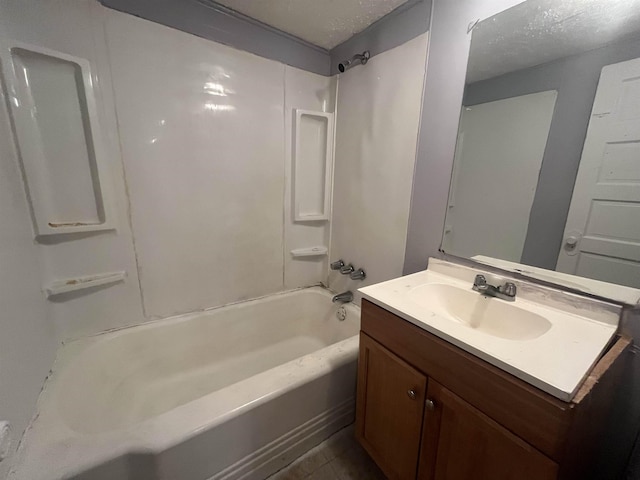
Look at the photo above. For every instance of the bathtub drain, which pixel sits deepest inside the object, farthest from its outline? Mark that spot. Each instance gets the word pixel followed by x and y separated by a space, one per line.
pixel 341 313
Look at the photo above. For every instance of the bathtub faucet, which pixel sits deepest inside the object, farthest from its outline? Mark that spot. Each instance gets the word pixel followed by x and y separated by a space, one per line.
pixel 344 297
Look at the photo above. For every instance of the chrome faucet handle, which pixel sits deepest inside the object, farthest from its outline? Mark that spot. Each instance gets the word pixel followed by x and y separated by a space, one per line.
pixel 509 289
pixel 358 275
pixel 347 269
pixel 337 265
pixel 480 282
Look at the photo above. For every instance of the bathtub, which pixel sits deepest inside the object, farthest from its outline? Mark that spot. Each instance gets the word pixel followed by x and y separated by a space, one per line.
pixel 236 392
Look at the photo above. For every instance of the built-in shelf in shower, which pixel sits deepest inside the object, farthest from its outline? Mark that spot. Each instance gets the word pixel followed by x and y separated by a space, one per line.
pixel 57 133
pixel 313 164
pixel 309 252
pixel 59 287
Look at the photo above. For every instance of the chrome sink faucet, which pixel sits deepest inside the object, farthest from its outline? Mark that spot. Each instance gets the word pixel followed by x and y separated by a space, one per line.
pixel 505 292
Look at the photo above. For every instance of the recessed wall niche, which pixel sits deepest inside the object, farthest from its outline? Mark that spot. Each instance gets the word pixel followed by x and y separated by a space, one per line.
pixel 52 102
pixel 313 160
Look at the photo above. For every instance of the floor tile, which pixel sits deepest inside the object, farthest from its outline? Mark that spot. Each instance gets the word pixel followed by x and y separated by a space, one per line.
pixel 340 457
pixel 323 473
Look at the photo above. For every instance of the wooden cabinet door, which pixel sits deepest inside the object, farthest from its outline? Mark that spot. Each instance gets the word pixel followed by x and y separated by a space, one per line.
pixel 390 405
pixel 461 443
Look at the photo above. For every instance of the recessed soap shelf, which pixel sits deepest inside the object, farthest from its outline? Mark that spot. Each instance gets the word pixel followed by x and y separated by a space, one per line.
pixel 313 165
pixel 309 252
pixel 65 165
pixel 58 287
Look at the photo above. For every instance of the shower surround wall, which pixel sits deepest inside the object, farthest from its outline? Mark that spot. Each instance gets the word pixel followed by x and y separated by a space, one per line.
pixel 26 337
pixel 79 31
pixel 376 134
pixel 197 129
pixel 196 137
pixel 202 130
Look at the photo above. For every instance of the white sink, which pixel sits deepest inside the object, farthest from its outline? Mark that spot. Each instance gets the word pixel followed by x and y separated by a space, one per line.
pixel 485 314
pixel 548 338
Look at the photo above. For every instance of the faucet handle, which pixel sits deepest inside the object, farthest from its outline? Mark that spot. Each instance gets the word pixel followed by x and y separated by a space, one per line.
pixel 358 275
pixel 347 269
pixel 479 281
pixel 509 289
pixel 337 265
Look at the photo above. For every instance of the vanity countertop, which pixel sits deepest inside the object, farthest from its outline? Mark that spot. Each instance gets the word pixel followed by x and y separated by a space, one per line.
pixel 564 335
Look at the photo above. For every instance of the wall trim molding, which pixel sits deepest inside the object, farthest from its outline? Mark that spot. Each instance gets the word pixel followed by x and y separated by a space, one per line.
pixel 208 20
pixel 217 7
pixel 212 21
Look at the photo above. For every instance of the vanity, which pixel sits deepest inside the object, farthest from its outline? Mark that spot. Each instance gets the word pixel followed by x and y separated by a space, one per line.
pixel 456 385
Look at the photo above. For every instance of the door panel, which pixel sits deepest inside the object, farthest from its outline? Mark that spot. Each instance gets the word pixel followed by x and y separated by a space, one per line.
pixel 602 234
pixel 391 397
pixel 461 443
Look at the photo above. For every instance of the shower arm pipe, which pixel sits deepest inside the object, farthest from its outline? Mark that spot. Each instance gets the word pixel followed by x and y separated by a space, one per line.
pixel 357 59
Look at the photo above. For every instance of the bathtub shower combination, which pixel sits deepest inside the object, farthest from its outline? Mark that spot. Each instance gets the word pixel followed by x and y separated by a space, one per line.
pixel 232 393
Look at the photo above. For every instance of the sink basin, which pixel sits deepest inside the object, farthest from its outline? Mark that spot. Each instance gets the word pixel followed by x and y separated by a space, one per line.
pixel 485 314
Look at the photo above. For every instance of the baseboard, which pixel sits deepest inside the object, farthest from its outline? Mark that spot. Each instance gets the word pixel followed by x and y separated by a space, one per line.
pixel 285 449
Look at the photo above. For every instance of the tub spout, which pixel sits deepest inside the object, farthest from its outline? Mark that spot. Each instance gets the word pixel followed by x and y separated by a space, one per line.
pixel 344 297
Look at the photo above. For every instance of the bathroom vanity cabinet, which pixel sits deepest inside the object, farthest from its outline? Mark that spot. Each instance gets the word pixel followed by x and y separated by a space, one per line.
pixel 427 409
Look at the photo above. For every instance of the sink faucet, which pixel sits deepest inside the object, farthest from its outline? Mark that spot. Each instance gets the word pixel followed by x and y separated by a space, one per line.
pixel 344 297
pixel 505 292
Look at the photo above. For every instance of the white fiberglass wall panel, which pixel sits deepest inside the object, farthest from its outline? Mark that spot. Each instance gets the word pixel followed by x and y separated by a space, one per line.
pixel 202 134
pixel 376 134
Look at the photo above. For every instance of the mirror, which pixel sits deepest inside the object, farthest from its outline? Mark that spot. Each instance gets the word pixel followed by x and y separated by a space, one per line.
pixel 547 165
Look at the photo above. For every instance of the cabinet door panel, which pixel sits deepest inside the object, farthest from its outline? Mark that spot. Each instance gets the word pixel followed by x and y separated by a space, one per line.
pixel 461 443
pixel 391 397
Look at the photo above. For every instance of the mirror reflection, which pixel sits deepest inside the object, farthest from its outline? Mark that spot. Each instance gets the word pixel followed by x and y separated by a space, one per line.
pixel 547 167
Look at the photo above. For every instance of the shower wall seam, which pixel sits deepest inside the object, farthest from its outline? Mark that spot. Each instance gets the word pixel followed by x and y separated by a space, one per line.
pixel 284 173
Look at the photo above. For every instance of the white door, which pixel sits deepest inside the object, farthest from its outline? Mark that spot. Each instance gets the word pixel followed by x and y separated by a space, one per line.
pixel 496 169
pixel 602 233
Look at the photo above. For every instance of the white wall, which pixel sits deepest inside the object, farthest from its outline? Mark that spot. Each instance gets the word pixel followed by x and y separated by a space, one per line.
pixel 75 27
pixel 26 335
pixel 206 142
pixel 378 114
pixel 202 134
pixel 206 197
pixel 27 343
pixel 31 327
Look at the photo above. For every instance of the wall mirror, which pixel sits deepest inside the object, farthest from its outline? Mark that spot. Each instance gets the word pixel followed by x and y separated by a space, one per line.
pixel 546 175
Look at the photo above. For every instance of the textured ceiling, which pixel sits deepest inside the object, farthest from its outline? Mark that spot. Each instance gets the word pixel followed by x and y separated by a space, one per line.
pixel 540 31
pixel 325 23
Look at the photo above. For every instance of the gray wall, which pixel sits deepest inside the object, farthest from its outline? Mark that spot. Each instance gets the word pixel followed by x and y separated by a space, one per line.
pixel 215 22
pixel 576 80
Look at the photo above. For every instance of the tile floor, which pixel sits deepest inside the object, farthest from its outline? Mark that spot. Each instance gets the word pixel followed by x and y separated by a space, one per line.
pixel 339 457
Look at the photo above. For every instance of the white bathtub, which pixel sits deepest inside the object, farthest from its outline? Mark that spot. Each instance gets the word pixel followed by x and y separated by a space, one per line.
pixel 235 392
